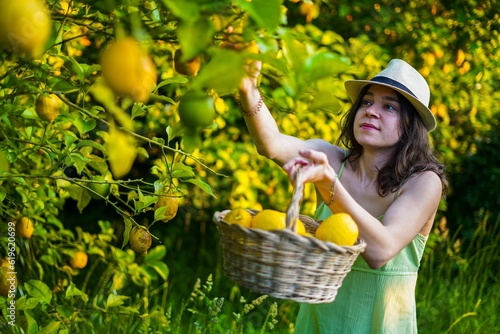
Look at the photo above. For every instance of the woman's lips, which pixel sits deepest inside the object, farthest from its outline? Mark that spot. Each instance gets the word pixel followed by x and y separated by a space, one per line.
pixel 368 126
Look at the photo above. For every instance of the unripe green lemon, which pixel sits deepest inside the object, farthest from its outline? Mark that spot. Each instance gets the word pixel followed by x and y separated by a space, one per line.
pixel 196 109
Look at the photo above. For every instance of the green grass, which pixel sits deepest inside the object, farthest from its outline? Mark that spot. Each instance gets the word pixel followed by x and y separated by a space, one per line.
pixel 457 292
pixel 458 288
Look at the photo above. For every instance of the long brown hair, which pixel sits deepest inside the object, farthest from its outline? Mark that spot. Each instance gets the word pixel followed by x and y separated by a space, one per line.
pixel 413 153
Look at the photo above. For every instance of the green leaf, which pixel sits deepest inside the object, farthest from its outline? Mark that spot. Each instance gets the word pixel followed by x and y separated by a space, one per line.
pixel 325 101
pixel 65 310
pixel 38 289
pixel 202 185
pixel 126 231
pixel 73 291
pixel 161 268
pixel 186 10
pixel 179 79
pixel 155 254
pixel 325 64
pixel 3 193
pixel 91 143
pixel 51 328
pixel 84 126
pixel 25 303
pixel 222 73
pixel 181 171
pixel 266 13
pixel 115 300
pixel 32 325
pixel 195 36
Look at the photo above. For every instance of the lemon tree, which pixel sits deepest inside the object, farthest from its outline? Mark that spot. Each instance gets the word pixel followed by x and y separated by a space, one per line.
pixel 112 65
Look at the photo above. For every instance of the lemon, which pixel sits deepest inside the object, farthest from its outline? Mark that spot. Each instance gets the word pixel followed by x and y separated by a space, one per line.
pixel 7 277
pixel 128 69
pixel 140 240
pixel 79 260
pixel 339 228
pixel 274 220
pixel 47 107
pixel 196 109
pixel 121 150
pixel 25 25
pixel 171 205
pixel 102 187
pixel 24 227
pixel 238 216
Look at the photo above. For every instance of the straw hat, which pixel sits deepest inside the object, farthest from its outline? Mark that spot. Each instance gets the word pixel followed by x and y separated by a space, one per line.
pixel 403 78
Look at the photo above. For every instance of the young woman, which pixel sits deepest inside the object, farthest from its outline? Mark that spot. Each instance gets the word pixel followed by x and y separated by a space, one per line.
pixel 385 176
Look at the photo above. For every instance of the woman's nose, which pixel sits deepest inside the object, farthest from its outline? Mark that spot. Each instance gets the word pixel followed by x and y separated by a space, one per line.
pixel 371 111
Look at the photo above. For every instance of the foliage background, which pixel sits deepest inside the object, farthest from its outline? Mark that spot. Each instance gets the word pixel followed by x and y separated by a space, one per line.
pixel 454 44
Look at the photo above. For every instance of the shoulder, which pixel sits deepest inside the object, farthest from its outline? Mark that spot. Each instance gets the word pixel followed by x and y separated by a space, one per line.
pixel 423 184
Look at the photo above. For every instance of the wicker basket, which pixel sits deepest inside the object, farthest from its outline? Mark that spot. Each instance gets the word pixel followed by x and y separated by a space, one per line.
pixel 282 263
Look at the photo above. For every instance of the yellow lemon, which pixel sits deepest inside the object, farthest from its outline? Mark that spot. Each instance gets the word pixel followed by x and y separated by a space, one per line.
pixel 239 216
pixel 79 260
pixel 128 69
pixel 24 227
pixel 47 107
pixel 140 240
pixel 8 278
pixel 25 25
pixel 274 220
pixel 171 205
pixel 121 149
pixel 339 228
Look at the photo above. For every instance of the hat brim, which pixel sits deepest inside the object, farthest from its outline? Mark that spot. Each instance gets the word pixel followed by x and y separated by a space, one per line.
pixel 353 88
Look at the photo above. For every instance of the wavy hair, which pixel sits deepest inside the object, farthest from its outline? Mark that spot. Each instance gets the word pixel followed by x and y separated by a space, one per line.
pixel 413 153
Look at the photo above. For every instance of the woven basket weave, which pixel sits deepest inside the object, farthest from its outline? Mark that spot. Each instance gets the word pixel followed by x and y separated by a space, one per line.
pixel 282 263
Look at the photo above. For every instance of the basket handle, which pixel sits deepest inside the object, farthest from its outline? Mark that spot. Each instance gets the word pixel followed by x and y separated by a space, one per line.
pixel 292 214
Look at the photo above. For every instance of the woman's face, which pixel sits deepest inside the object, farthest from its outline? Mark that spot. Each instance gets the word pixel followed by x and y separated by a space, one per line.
pixel 377 121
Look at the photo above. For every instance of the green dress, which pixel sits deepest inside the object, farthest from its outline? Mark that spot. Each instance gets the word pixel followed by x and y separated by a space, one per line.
pixel 369 301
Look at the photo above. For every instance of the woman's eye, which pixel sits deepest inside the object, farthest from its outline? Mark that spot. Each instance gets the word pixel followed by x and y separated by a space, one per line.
pixel 365 103
pixel 390 107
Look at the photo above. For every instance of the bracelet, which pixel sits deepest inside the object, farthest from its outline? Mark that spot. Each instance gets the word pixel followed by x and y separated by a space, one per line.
pixel 332 191
pixel 255 111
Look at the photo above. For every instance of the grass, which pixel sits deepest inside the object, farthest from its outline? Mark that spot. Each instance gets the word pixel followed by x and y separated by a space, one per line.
pixel 458 289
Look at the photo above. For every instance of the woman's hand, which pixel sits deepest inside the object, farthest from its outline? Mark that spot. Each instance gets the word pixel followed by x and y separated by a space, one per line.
pixel 314 167
pixel 249 81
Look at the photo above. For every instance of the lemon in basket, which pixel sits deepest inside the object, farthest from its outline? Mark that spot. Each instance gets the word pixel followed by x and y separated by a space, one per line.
pixel 274 220
pixel 339 228
pixel 239 216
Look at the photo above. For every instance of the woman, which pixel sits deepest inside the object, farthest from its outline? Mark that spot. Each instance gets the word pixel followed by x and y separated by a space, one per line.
pixel 387 179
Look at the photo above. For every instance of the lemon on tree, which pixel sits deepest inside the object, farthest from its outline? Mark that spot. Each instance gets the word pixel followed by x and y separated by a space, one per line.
pixel 128 70
pixel 47 107
pixel 24 227
pixel 8 278
pixel 274 220
pixel 169 204
pixel 339 228
pixel 140 240
pixel 196 109
pixel 239 216
pixel 79 260
pixel 25 25
pixel 101 187
pixel 121 149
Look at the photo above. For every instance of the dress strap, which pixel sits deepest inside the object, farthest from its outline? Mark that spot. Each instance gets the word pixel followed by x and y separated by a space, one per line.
pixel 342 165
